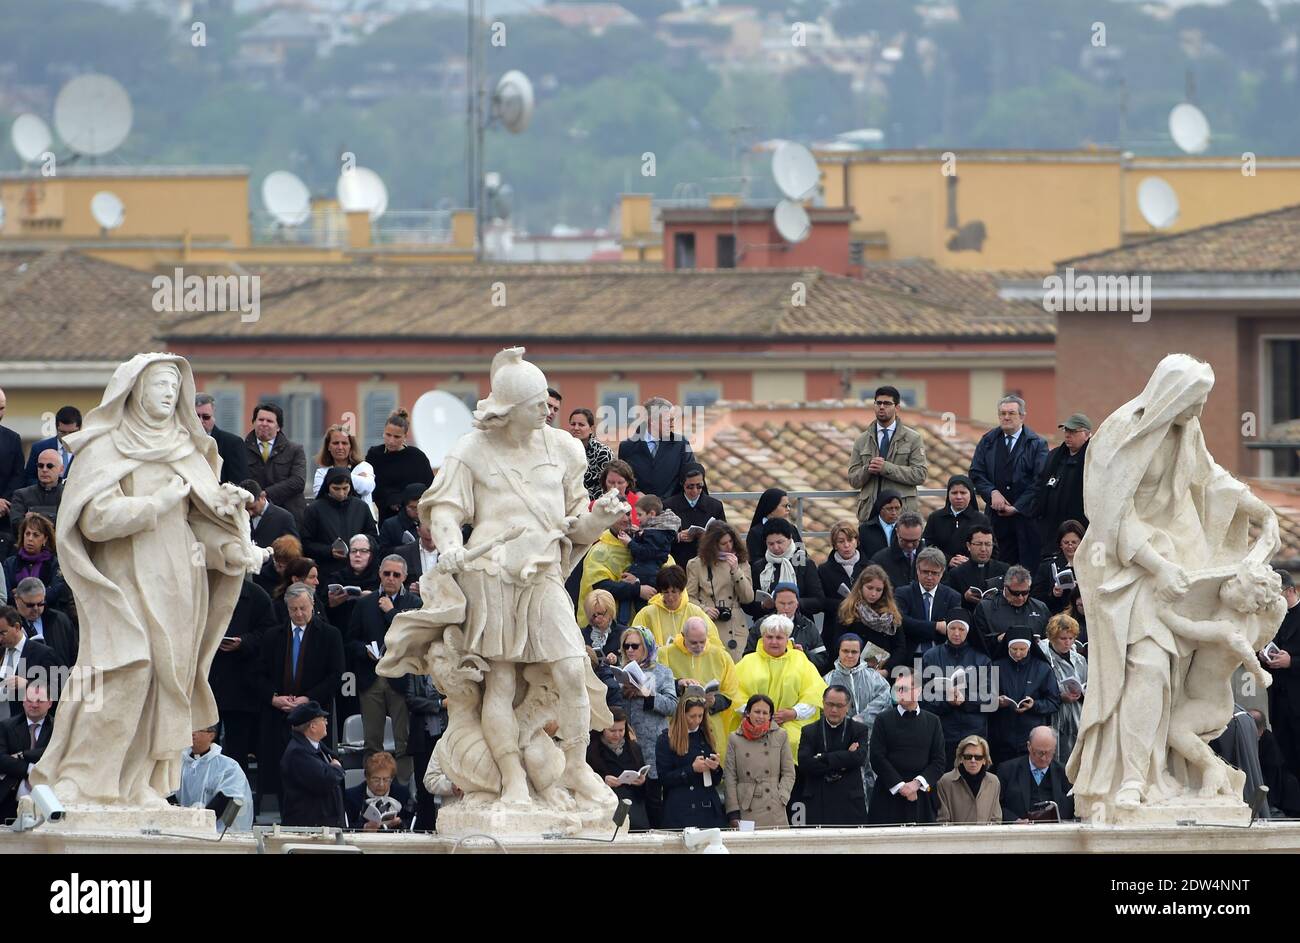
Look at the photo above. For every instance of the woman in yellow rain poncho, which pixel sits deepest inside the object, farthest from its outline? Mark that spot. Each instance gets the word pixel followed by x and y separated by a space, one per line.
pixel 668 611
pixel 696 658
pixel 784 674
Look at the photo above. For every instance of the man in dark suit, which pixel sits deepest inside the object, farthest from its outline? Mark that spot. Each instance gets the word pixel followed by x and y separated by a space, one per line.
pixel 302 660
pixel 1029 783
pixel 21 659
pixel 12 473
pixel 658 456
pixel 925 603
pixel 23 739
pixel 1006 469
pixel 1010 609
pixel 278 465
pixel 364 646
pixel 899 558
pixel 1284 693
pixel 266 521
pixel 45 496
pixel 971 578
pixel 234 670
pixel 380 782
pixel 66 421
pixel 47 626
pixel 234 457
pixel 312 779
pixel 907 757
pixel 832 752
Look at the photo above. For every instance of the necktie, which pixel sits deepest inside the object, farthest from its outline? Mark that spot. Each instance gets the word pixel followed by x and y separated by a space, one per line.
pixel 11 659
pixel 34 731
pixel 885 436
pixel 266 450
pixel 653 446
pixel 928 601
pixel 1008 443
pixel 297 647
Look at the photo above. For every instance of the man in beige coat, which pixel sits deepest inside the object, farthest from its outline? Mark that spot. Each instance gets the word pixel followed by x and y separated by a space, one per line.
pixel 887 457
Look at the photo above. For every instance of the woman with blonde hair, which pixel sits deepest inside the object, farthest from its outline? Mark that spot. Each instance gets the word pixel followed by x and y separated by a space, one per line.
pixel 969 794
pixel 339 449
pixel 603 632
pixel 397 464
pixel 718 579
pixel 648 709
pixel 1071 669
pixel 842 567
pixel 869 612
pixel 688 767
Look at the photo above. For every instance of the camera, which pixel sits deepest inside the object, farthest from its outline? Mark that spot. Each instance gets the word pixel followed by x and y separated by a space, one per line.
pixel 724 613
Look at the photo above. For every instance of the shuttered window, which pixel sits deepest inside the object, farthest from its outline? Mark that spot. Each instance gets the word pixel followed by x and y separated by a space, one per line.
pixel 376 408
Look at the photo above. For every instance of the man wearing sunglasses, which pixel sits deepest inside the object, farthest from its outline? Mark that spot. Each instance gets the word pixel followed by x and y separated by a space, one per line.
pixel 43 497
pixel 364 644
pixel 1010 609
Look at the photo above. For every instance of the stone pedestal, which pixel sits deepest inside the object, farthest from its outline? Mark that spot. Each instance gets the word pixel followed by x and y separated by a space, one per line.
pixel 105 818
pixel 462 818
pixel 1218 810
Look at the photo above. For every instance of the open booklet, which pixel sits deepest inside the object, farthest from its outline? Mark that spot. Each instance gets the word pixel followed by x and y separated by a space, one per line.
pixel 695 530
pixel 761 596
pixel 874 655
pixel 1064 577
pixel 379 808
pixel 629 776
pixel 632 675
pixel 1073 687
pixel 1270 651
pixel 1023 702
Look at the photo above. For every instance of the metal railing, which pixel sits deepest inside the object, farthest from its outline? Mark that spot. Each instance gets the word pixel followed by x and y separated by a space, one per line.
pixel 799 497
pixel 412 228
pixel 322 228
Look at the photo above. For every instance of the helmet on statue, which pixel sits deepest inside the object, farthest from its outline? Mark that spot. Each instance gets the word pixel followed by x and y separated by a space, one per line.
pixel 515 382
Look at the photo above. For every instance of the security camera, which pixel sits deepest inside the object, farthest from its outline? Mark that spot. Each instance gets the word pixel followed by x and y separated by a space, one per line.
pixel 705 840
pixel 47 804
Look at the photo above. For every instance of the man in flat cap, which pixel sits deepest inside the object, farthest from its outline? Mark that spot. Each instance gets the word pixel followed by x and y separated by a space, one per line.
pixel 1060 487
pixel 311 780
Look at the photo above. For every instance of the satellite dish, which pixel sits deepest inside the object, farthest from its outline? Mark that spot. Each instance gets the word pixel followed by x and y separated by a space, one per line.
pixel 1158 202
pixel 1189 128
pixel 362 190
pixel 93 114
pixel 108 210
pixel 438 420
pixel 792 221
pixel 512 102
pixel 31 137
pixel 286 198
pixel 795 170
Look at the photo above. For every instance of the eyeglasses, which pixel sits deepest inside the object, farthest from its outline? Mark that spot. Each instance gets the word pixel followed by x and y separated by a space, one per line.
pixel 392 573
pixel 360 550
pixel 885 402
pixel 1019 593
pixel 32 605
pixel 46 465
pixel 379 780
pixel 967 757
pixel 631 647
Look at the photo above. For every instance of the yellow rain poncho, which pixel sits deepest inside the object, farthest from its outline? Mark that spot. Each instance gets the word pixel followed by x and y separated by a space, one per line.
pixel 665 623
pixel 789 680
pixel 713 664
pixel 607 559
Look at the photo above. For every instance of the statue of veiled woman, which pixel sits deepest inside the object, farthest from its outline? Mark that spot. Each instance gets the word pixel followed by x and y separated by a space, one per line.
pixel 154 549
pixel 1162 515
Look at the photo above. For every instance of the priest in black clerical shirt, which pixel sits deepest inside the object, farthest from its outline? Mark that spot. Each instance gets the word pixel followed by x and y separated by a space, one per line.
pixel 1284 693
pixel 907 757
pixel 979 569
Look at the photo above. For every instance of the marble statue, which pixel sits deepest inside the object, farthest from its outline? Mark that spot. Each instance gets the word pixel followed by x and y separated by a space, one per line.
pixel 154 549
pixel 497 630
pixel 1179 596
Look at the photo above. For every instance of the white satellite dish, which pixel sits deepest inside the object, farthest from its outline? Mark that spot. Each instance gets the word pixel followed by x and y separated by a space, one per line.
pixel 31 137
pixel 512 101
pixel 108 209
pixel 286 198
pixel 438 420
pixel 792 221
pixel 795 170
pixel 1158 202
pixel 362 190
pixel 1189 128
pixel 93 114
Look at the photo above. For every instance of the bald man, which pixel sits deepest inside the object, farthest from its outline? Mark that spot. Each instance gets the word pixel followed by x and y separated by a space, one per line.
pixel 44 496
pixel 1033 784
pixel 11 461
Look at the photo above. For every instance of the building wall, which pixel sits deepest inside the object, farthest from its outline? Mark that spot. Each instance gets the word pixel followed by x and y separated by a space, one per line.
pixel 759 245
pixel 1104 360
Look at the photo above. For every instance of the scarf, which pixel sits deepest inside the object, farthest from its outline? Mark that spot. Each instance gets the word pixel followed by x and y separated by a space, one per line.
pixel 882 622
pixel 599 638
pixel 751 731
pixel 848 563
pixel 778 569
pixel 32 564
pixel 974 782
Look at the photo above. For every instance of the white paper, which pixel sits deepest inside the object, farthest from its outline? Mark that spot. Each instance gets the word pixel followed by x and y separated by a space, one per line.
pixel 629 776
pixel 373 648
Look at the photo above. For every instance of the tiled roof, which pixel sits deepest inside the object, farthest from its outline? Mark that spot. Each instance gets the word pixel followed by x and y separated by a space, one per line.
pixel 1260 244
pixel 595 301
pixel 63 305
pixel 970 291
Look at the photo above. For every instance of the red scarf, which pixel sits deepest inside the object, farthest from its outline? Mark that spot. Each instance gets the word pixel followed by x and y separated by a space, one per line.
pixel 751 731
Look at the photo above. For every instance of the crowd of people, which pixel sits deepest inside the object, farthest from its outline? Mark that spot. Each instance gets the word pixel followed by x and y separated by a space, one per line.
pixel 929 669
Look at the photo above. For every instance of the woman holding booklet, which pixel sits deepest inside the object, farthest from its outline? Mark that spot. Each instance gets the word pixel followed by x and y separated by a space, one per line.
pixel 1071 669
pixel 650 698
pixel 615 754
